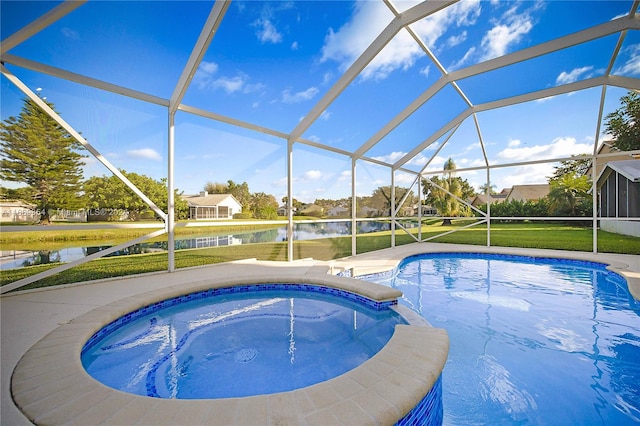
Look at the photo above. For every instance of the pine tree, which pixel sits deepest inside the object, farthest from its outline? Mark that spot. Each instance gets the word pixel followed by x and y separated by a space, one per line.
pixel 37 151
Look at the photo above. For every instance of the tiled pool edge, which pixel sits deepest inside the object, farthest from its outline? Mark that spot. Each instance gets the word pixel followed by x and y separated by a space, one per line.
pixel 50 386
pixel 383 262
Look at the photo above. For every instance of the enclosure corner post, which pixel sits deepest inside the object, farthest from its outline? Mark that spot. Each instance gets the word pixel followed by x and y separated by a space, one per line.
pixel 170 223
pixel 354 209
pixel 290 200
pixel 393 208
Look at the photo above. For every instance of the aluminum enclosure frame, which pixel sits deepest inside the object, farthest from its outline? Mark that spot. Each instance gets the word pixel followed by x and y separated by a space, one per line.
pixel 402 21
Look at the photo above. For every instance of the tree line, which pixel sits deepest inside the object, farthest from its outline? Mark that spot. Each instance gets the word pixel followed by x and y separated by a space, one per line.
pixel 36 151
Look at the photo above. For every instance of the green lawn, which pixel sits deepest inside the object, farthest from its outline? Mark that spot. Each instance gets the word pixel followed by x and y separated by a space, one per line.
pixel 530 235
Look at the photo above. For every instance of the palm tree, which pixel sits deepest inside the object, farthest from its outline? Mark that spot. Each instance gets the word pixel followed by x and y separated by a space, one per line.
pixel 446 199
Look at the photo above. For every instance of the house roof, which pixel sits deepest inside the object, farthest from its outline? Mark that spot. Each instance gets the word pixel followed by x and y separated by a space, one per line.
pixel 482 198
pixel 627 168
pixel 16 203
pixel 210 200
pixel 529 192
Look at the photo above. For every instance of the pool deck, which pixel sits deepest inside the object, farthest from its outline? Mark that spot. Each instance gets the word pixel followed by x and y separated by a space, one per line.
pixel 28 316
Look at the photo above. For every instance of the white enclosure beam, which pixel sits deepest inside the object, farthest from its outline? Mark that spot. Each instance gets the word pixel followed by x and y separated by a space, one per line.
pixel 456 121
pixel 84 80
pixel 589 34
pixel 406 112
pixel 290 201
pixel 439 148
pixel 392 207
pixel 354 209
pixel 202 44
pixel 171 201
pixel 63 267
pixel 625 82
pixel 602 30
pixel 47 109
pixel 594 171
pixel 39 24
pixel 414 14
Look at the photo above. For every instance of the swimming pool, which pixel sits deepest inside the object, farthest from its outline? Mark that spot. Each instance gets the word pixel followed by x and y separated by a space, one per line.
pixel 533 340
pixel 239 341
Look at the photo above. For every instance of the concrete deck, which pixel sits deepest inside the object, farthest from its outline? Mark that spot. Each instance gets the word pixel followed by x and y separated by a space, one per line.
pixel 27 317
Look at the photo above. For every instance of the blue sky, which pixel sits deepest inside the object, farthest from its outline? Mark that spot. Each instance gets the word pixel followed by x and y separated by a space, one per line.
pixel 270 62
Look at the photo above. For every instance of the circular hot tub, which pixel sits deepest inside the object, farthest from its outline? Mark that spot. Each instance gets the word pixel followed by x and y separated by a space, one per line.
pixel 239 341
pixel 399 382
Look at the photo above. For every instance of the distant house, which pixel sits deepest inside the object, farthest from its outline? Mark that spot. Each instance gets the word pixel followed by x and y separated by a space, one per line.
pixel 526 193
pixel 481 199
pixel 337 211
pixel 607 148
pixel 366 211
pixel 282 210
pixel 407 211
pixel 205 206
pixel 311 210
pixel 426 211
pixel 65 215
pixel 16 211
pixel 618 188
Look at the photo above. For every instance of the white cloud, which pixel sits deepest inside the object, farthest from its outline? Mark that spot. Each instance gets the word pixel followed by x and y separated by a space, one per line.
pixel 206 78
pixel 514 143
pixel 391 158
pixel 524 175
pixel 345 176
pixel 434 27
pixel 267 32
pixel 632 64
pixel 145 153
pixel 405 179
pixel 559 147
pixel 280 183
pixel 325 115
pixel 70 34
pixel 371 17
pixel 419 160
pixel 229 84
pixel 456 39
pixel 511 28
pixel 348 42
pixel 295 45
pixel 467 56
pixel 208 67
pixel 573 75
pixel 305 95
pixel 312 175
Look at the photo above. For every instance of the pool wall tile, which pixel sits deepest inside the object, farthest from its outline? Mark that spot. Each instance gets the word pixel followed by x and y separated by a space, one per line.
pixel 156 306
pixel 429 411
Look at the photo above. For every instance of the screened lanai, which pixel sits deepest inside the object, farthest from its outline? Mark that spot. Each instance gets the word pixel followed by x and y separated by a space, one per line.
pixel 323 100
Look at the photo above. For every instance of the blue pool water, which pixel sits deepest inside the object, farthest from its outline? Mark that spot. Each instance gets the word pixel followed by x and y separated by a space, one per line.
pixel 240 341
pixel 532 341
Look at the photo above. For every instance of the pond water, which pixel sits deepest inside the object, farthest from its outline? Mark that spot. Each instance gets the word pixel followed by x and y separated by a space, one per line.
pixel 305 231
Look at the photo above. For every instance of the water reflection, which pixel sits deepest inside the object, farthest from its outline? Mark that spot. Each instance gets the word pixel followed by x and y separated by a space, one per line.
pixel 533 341
pixel 304 231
